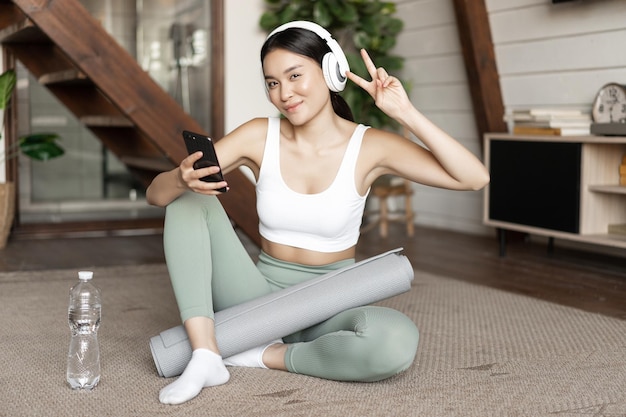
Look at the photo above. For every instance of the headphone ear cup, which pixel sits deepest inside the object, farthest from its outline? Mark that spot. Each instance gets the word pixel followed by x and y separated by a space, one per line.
pixel 331 70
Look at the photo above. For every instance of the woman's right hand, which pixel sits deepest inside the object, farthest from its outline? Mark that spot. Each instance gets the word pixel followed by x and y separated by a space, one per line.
pixel 387 91
pixel 189 177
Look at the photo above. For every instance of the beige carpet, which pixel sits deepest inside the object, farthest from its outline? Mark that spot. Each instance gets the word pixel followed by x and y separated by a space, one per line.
pixel 483 352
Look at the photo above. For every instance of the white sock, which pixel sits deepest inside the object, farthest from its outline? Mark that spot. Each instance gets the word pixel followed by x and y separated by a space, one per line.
pixel 205 369
pixel 252 358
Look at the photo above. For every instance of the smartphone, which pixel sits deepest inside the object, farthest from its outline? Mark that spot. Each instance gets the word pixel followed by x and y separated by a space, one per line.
pixel 199 142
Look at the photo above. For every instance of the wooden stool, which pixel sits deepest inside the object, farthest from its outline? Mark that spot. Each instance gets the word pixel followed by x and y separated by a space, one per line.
pixel 390 186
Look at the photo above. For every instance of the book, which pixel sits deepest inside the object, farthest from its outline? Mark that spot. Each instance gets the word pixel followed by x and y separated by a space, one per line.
pixel 515 117
pixel 550 121
pixel 554 123
pixel 575 131
pixel 550 131
pixel 618 229
pixel 548 111
pixel 622 169
pixel 532 130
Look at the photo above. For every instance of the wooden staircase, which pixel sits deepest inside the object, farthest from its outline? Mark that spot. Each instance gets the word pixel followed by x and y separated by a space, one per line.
pixel 71 54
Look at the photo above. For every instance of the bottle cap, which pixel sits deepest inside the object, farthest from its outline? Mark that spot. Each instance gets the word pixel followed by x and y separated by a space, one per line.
pixel 85 275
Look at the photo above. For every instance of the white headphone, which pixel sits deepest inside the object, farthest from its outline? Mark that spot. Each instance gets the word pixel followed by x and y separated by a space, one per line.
pixel 334 64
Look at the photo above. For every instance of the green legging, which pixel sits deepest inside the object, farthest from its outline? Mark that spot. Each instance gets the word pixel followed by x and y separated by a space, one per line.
pixel 211 270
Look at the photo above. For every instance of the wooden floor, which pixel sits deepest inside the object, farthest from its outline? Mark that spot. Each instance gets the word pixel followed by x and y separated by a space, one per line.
pixel 585 280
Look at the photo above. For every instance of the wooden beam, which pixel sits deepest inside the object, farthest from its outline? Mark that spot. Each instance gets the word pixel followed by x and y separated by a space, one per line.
pixel 480 65
pixel 217 68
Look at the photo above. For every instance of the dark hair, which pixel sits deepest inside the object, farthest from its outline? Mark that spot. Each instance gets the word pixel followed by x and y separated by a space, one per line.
pixel 309 44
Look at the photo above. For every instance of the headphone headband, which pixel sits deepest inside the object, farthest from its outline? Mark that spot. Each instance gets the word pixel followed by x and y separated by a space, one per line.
pixel 334 64
pixel 303 24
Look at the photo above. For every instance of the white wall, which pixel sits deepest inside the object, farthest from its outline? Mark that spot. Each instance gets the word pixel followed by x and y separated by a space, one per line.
pixel 244 92
pixel 557 55
pixel 547 55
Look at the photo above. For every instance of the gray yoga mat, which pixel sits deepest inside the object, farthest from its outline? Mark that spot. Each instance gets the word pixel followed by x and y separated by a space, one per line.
pixel 289 310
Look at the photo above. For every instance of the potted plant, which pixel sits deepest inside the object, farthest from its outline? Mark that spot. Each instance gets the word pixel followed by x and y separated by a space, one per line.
pixel 356 24
pixel 39 146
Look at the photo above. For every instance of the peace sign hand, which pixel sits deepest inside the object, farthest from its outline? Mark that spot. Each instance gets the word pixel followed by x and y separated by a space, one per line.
pixel 387 91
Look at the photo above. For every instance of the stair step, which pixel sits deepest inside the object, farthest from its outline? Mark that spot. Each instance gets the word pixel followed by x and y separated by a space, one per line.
pixel 70 76
pixel 23 30
pixel 106 121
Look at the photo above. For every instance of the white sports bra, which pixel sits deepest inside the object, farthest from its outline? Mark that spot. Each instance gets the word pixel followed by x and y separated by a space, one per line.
pixel 328 221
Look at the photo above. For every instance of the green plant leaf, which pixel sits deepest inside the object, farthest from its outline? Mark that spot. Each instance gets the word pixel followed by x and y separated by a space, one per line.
pixel 388 8
pixel 335 7
pixel 389 62
pixel 289 13
pixel 268 21
pixel 349 14
pixel 321 14
pixel 7 83
pixel 386 43
pixel 41 146
pixel 357 65
pixel 369 25
pixel 394 26
pixel 361 40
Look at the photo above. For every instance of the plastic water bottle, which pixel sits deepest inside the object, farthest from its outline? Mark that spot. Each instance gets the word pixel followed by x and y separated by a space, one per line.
pixel 84 314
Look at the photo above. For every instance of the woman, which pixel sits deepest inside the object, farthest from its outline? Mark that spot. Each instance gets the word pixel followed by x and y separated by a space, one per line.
pixel 314 168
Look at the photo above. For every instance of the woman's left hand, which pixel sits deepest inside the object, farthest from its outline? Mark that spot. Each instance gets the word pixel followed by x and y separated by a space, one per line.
pixel 387 91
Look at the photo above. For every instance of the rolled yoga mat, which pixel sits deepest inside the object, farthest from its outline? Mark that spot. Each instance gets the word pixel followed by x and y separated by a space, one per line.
pixel 289 310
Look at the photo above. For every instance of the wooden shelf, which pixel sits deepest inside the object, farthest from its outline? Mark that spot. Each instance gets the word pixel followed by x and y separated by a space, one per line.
pixel 609 189
pixel 588 195
pixel 565 139
pixel 620 240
